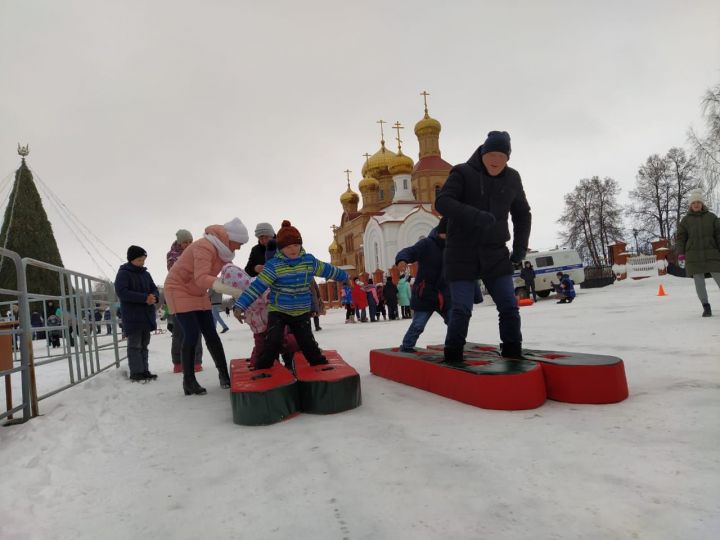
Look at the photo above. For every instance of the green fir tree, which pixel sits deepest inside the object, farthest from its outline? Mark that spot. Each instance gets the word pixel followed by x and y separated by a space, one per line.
pixel 27 231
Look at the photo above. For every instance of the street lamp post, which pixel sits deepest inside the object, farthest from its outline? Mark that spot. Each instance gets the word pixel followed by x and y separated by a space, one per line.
pixel 635 234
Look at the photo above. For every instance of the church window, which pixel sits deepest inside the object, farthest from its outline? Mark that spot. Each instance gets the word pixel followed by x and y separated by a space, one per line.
pixel 376 249
pixel 349 243
pixel 404 183
pixel 382 195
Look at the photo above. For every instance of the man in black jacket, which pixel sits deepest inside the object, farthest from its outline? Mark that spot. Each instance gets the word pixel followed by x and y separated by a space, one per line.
pixel 477 199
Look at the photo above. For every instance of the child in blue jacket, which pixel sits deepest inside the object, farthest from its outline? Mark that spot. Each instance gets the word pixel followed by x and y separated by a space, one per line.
pixel 288 276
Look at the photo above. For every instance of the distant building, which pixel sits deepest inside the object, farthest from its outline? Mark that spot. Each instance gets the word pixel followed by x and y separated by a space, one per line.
pixel 398 199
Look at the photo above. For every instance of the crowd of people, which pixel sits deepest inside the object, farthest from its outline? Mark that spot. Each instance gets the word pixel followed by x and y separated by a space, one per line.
pixel 277 296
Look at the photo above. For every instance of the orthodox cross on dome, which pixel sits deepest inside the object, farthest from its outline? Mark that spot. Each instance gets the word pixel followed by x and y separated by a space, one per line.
pixel 23 150
pixel 367 157
pixel 382 133
pixel 397 126
pixel 347 173
pixel 424 94
pixel 335 229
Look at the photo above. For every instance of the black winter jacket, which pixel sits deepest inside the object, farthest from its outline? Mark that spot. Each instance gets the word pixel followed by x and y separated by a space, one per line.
pixel 257 256
pixel 132 285
pixel 477 206
pixel 429 290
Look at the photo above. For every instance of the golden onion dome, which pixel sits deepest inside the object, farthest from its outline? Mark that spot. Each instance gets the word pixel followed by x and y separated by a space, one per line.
pixel 349 197
pixel 401 164
pixel 427 125
pixel 378 163
pixel 369 184
pixel 334 247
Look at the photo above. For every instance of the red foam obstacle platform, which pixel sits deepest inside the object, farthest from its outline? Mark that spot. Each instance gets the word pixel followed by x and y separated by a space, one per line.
pixel 264 396
pixel 570 377
pixel 329 388
pixel 491 383
pixel 525 302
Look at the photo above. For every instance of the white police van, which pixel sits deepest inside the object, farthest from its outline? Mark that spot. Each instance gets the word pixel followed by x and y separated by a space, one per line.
pixel 546 265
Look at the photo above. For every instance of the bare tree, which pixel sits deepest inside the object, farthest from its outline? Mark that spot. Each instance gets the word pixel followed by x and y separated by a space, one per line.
pixel 707 148
pixel 592 218
pixel 659 199
pixel 682 171
pixel 652 198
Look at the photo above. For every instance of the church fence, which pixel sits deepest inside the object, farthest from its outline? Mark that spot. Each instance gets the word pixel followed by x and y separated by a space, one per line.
pixel 53 355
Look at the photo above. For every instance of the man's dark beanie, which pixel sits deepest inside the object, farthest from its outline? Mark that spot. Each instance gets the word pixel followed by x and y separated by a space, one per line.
pixel 497 141
pixel 134 252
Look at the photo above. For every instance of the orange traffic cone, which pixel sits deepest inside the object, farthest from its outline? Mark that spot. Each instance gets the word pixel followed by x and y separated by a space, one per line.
pixel 661 291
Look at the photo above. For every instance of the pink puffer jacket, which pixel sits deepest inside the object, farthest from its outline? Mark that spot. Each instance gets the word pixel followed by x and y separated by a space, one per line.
pixel 189 279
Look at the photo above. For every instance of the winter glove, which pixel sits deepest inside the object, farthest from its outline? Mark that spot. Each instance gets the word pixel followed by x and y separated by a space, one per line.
pixel 484 219
pixel 239 315
pixel 517 256
pixel 222 288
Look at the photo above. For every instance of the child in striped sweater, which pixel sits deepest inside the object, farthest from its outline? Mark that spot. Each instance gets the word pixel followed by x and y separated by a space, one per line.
pixel 288 276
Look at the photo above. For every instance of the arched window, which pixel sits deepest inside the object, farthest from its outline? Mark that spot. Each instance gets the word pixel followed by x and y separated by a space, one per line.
pixel 376 249
pixel 404 183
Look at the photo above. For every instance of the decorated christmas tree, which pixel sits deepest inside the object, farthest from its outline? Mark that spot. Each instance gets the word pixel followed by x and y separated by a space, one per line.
pixel 27 231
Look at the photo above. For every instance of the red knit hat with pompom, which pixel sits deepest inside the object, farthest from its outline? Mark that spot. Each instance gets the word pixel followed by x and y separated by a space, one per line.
pixel 288 235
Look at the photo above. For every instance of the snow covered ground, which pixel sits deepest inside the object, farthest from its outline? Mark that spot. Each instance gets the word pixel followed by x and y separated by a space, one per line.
pixel 111 459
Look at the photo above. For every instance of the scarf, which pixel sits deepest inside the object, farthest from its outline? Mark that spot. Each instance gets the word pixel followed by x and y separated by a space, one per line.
pixel 223 251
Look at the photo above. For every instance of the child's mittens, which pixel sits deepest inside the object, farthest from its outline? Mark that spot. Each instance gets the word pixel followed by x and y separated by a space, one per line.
pixel 222 288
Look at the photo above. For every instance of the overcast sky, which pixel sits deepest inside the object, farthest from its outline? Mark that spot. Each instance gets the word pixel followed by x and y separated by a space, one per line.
pixel 149 116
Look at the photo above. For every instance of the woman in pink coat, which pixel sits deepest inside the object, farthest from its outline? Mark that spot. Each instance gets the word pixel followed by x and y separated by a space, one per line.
pixel 186 288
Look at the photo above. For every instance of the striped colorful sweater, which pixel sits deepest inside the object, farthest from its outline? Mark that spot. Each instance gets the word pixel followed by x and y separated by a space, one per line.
pixel 289 283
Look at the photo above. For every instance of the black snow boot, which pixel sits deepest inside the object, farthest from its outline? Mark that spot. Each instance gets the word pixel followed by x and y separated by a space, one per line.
pixel 149 376
pixel 563 301
pixel 511 350
pixel 453 355
pixel 191 386
pixel 707 312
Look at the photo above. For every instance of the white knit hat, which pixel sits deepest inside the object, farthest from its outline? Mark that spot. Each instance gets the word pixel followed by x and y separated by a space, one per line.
pixel 236 231
pixel 696 195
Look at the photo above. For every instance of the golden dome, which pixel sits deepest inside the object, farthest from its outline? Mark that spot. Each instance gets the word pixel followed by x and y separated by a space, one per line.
pixel 401 164
pixel 378 163
pixel 427 125
pixel 369 184
pixel 334 247
pixel 349 197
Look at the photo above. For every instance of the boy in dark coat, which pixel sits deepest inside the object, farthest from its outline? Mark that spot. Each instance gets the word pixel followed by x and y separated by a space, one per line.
pixel 477 198
pixel 138 295
pixel 429 292
pixel 528 276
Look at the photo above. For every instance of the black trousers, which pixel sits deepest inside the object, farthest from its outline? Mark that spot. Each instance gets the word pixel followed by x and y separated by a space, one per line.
pixel 300 327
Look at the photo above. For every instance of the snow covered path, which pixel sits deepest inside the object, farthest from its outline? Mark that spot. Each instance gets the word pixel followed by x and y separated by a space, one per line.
pixel 110 459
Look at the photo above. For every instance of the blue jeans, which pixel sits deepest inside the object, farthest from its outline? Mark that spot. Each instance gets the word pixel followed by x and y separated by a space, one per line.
pixel 502 291
pixel 216 316
pixel 417 326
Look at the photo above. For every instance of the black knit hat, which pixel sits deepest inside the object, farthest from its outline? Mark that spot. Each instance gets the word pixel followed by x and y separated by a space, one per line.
pixel 497 141
pixel 134 252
